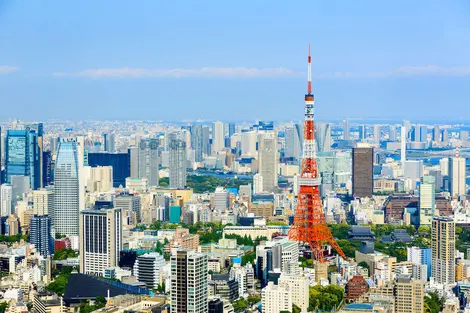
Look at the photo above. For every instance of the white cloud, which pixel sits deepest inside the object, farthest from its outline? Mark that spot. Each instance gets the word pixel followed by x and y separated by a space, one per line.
pixel 6 69
pixel 180 72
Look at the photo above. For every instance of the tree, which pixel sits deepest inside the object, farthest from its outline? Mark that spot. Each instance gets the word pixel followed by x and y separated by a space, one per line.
pixel 240 305
pixel 325 298
pixel 3 307
pixel 433 303
pixel 296 309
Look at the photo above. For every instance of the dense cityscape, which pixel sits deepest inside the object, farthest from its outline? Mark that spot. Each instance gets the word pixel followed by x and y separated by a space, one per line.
pixel 145 216
pixel 234 156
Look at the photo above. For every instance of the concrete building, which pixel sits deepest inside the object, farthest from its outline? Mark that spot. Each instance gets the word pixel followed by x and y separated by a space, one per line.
pixel 148 160
pixel 189 289
pixel 427 198
pixel 43 201
pixel 218 137
pixel 221 199
pixel 409 295
pixel 362 176
pixel 457 175
pixel 178 163
pixel 13 225
pixel 6 200
pixel 276 298
pixel 148 269
pixel 40 234
pixel 443 250
pixel 420 256
pixel 268 159
pixel 298 287
pixel 98 179
pixel 129 202
pixel 100 240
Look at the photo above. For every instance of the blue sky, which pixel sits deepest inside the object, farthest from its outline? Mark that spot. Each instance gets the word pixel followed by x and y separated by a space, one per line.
pixel 179 60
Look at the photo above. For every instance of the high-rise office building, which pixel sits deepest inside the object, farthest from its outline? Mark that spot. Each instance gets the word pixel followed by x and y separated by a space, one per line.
pixel 268 160
pixel 322 137
pixel 218 137
pixel 362 176
pixel 100 240
pixel 197 142
pixel 147 269
pixel 416 133
pixel 409 295
pixel 231 129
pixel 43 201
pixel 178 163
pixel 109 142
pixel 423 134
pixel 148 160
pixel 206 145
pixel 443 250
pixel 463 135
pixel 457 175
pixel 421 256
pixel 221 199
pixel 298 287
pixel 66 189
pixel 445 136
pixel 129 202
pixel 47 177
pixel 6 200
pixel 40 234
pixel 362 132
pixel 346 130
pixel 22 156
pixel 403 138
pixel 293 147
pixel 189 292
pixel 426 200
pixel 377 133
pixel 436 134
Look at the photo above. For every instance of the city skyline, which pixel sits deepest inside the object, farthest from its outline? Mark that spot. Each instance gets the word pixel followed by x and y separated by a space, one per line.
pixel 368 61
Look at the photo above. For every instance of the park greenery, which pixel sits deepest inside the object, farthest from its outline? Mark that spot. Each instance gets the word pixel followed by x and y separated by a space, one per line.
pixel 14 238
pixel 59 285
pixel 242 304
pixel 208 183
pixel 3 307
pixel 64 254
pixel 325 298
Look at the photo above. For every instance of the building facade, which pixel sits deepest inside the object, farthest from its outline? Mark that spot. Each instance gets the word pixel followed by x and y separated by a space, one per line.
pixel 362 176
pixel 443 250
pixel 100 240
pixel 40 234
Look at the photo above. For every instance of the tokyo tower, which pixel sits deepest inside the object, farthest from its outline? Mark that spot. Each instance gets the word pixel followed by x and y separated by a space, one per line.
pixel 309 227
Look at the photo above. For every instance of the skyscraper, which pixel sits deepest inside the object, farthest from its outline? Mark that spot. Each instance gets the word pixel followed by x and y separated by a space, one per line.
pixel 416 133
pixel 436 134
pixel 362 177
pixel 109 142
pixel 443 250
pixel 6 200
pixel 293 145
pixel 403 138
pixel 148 160
pixel 147 269
pixel 362 132
pixel 22 156
pixel 100 240
pixel 189 292
pixel 457 176
pixel 39 129
pixel 178 162
pixel 423 134
pixel 197 142
pixel 46 168
pixel 377 130
pixel 346 130
pixel 40 234
pixel 218 137
pixel 426 200
pixel 231 129
pixel 409 295
pixel 268 161
pixel 206 145
pixel 322 136
pixel 66 189
pixel 392 133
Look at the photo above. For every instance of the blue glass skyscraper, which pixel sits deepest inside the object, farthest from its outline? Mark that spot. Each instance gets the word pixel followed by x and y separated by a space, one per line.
pixel 22 156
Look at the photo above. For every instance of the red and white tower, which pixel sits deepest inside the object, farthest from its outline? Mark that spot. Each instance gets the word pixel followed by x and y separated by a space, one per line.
pixel 309 227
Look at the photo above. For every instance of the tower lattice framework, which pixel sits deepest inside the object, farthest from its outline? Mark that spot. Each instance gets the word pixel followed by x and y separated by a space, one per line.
pixel 309 226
